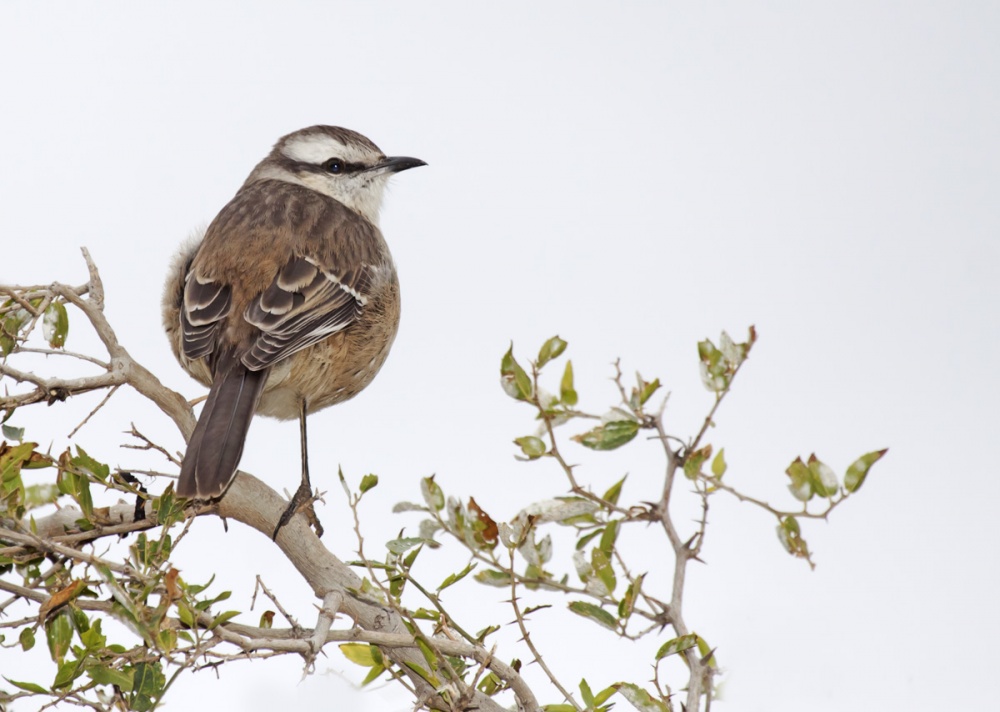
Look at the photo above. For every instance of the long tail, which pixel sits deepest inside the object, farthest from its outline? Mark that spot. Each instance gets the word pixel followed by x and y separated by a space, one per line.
pixel 215 447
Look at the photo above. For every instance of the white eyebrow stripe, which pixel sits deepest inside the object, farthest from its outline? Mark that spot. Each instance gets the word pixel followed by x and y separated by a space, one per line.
pixel 314 149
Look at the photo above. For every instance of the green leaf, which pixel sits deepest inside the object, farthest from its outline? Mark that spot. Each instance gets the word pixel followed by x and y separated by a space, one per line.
pixel 92 638
pixel 433 494
pixel 403 544
pixel 27 639
pixel 801 485
pixel 185 614
pixel 10 327
pixel 614 491
pixel 412 556
pixel 110 676
pixel 594 613
pixel 490 684
pixel 421 671
pixel 677 645
pixel 27 686
pixel 373 674
pixel 718 365
pixel 609 537
pixel 429 655
pixel 719 463
pixel 566 393
pixel 601 563
pixel 713 367
pixel 531 446
pixel 67 672
pixel 453 578
pixel 639 698
pixel 489 630
pixel 647 390
pixel 821 478
pixel 55 325
pixel 368 482
pixel 601 697
pixel 551 349
pixel 609 436
pixel 695 460
pixel 12 433
pixel 86 464
pixel 627 604
pixel 397 582
pixel 531 609
pixel 11 484
pixel 59 634
pixel 706 652
pixel 588 696
pixel 515 381
pixel 166 640
pixel 222 618
pixel 408 507
pixel 559 708
pixel 147 685
pixel 359 653
pixel 733 353
pixel 791 537
pixel 858 470
pixel 586 538
pixel 491 577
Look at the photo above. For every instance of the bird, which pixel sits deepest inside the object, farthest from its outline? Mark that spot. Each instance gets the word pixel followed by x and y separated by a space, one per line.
pixel 289 302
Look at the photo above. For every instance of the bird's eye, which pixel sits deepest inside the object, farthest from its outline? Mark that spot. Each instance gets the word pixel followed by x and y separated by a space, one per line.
pixel 334 165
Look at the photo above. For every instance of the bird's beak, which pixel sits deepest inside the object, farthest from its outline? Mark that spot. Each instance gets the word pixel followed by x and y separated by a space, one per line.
pixel 395 164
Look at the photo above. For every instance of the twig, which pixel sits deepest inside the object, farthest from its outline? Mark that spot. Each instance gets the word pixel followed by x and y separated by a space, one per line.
pixel 63 352
pixel 327 612
pixel 281 609
pixel 526 636
pixel 779 513
pixel 107 397
pixel 149 445
pixel 13 294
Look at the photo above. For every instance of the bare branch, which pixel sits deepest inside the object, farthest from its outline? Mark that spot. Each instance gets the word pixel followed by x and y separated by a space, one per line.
pixel 526 637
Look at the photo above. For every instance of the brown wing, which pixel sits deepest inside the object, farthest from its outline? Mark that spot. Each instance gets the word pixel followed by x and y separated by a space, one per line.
pixel 281 268
pixel 206 304
pixel 303 305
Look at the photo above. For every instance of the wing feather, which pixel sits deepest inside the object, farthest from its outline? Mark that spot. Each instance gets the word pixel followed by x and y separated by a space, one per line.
pixel 303 305
pixel 206 304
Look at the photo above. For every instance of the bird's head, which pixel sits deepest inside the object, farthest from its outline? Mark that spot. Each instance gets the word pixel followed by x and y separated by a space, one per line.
pixel 337 162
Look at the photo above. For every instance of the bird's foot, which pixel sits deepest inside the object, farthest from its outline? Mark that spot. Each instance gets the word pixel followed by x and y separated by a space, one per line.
pixel 302 501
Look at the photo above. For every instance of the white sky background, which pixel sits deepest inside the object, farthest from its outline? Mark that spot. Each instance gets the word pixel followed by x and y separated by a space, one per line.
pixel 633 179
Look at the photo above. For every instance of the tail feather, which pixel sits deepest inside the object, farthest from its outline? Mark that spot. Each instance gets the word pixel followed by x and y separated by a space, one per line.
pixel 216 445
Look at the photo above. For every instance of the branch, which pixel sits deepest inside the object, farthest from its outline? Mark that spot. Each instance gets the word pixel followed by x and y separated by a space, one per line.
pixel 255 504
pixel 248 501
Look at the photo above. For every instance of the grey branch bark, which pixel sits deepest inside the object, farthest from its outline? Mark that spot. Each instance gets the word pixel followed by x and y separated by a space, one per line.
pixel 248 501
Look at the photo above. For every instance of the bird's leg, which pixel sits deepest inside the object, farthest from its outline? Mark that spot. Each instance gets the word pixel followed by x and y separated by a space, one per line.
pixel 302 500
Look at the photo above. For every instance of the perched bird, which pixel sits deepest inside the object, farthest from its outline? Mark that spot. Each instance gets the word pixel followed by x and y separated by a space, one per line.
pixel 289 303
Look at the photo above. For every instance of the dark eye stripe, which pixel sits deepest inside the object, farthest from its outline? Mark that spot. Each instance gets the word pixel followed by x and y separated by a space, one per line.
pixel 339 166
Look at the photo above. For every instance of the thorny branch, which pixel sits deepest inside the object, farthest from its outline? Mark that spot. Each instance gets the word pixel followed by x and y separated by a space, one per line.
pixel 608 514
pixel 466 694
pixel 373 605
pixel 248 501
pixel 526 637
